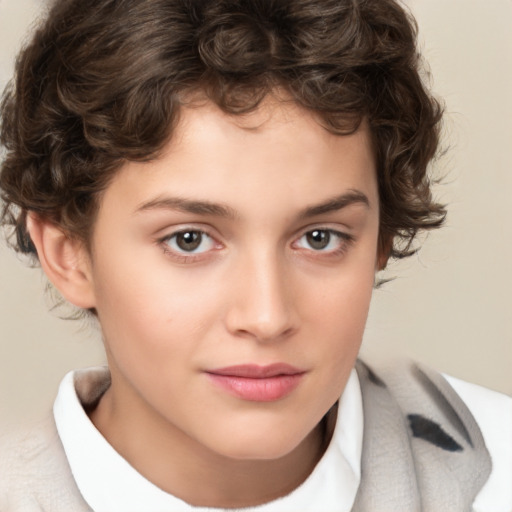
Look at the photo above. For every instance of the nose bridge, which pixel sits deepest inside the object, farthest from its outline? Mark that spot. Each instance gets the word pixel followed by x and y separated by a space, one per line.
pixel 263 305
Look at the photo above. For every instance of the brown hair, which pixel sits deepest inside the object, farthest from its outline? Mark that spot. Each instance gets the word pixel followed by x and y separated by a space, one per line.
pixel 102 81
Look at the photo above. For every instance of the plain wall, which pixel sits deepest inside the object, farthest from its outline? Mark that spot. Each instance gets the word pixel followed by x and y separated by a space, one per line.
pixel 449 306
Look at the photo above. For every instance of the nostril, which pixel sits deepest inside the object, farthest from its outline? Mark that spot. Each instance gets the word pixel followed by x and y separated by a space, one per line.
pixel 264 331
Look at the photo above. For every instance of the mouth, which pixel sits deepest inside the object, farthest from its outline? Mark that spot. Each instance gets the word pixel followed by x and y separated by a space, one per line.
pixel 257 383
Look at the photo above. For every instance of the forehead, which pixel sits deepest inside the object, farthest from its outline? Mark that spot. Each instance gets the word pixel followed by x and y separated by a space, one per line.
pixel 278 153
pixel 277 117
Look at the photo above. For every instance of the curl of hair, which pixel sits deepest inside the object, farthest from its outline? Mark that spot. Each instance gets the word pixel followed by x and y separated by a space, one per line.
pixel 102 82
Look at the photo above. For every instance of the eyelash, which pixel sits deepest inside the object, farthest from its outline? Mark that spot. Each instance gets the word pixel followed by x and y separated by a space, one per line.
pixel 345 241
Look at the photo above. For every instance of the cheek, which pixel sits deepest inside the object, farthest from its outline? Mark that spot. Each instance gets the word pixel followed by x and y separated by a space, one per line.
pixel 341 323
pixel 153 314
pixel 337 316
pixel 340 302
pixel 334 328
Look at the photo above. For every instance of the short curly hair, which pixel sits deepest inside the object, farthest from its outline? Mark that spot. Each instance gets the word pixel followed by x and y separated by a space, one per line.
pixel 102 82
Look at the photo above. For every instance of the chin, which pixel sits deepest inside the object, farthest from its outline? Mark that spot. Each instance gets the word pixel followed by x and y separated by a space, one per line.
pixel 262 445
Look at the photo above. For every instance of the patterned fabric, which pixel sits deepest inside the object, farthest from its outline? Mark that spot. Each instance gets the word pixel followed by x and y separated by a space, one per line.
pixel 422 449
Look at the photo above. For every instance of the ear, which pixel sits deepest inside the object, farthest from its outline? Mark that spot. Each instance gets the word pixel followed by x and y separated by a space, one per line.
pixel 64 260
pixel 384 247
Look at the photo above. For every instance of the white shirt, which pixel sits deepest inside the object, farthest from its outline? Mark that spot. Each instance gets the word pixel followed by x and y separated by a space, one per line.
pixel 115 486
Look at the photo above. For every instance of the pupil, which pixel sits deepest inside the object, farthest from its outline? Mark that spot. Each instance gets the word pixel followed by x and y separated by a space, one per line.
pixel 318 239
pixel 189 240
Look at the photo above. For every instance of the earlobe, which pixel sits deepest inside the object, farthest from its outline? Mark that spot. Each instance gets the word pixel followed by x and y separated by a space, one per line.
pixel 64 260
pixel 384 248
pixel 382 261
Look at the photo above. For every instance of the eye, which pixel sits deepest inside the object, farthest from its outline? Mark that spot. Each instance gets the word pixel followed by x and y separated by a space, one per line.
pixel 323 240
pixel 190 241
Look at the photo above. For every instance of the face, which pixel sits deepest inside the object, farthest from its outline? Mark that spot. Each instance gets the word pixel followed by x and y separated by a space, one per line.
pixel 232 276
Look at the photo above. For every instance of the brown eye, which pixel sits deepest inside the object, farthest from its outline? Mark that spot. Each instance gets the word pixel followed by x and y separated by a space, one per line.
pixel 324 241
pixel 318 239
pixel 190 241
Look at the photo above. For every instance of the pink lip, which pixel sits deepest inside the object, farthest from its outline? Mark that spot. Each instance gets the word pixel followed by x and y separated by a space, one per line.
pixel 257 383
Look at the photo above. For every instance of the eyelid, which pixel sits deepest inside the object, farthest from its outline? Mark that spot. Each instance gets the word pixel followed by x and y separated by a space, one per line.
pixel 168 229
pixel 344 231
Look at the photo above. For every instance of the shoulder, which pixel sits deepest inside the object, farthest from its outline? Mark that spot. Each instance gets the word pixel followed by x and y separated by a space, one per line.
pixel 34 470
pixel 491 409
pixel 23 450
pixel 493 414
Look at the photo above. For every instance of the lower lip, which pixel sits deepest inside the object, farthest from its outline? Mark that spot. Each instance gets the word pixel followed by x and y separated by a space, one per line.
pixel 267 389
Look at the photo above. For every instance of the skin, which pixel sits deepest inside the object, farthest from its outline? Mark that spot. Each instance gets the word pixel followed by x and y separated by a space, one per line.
pixel 255 291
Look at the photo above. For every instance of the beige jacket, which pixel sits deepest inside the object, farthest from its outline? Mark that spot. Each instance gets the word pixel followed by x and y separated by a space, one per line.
pixel 35 475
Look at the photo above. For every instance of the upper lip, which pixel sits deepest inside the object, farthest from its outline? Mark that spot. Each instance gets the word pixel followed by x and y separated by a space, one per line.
pixel 254 371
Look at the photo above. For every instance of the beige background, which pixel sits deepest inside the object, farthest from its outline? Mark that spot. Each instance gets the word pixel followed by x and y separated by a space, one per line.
pixel 449 306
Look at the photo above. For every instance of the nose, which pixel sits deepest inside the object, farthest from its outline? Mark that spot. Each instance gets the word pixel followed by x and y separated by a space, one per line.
pixel 263 303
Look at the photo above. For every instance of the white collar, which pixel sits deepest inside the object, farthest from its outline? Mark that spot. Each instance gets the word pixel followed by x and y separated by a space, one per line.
pixel 109 483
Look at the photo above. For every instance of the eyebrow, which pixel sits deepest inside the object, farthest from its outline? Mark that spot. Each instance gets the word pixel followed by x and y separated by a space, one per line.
pixel 336 203
pixel 200 207
pixel 189 206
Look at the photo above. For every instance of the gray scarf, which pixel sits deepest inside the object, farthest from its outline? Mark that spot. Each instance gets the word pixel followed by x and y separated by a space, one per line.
pixel 422 449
